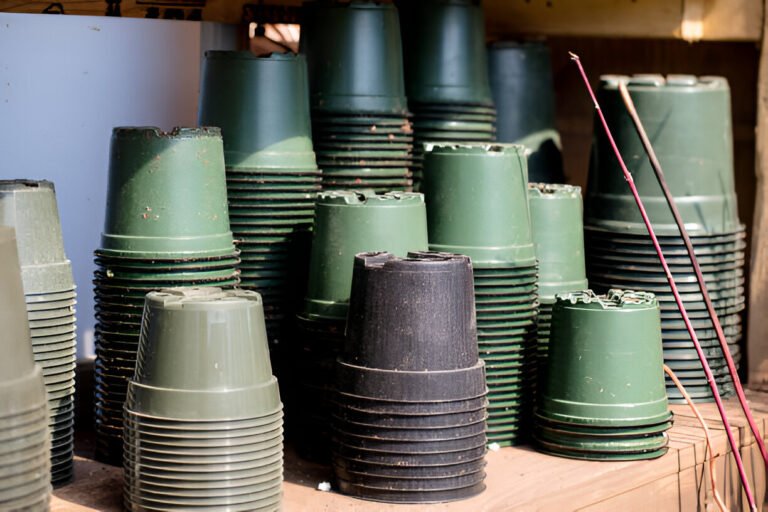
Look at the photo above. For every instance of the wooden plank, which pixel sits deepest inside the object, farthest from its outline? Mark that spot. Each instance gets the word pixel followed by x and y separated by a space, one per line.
pixel 660 496
pixel 757 339
pixel 716 20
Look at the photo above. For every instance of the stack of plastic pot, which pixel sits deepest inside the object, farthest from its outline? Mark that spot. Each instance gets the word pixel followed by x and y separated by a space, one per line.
pixel 477 204
pixel 203 418
pixel 25 439
pixel 362 135
pixel 49 289
pixel 262 108
pixel 409 425
pixel 521 81
pixel 166 226
pixel 698 165
pixel 604 397
pixel 558 233
pixel 447 74
pixel 346 223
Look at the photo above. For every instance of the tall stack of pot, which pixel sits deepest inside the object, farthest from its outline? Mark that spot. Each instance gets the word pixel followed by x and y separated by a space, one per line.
pixel 49 290
pixel 25 438
pixel 446 74
pixel 203 418
pixel 360 125
pixel 521 82
pixel 698 164
pixel 558 232
pixel 261 105
pixel 409 426
pixel 603 397
pixel 346 223
pixel 477 204
pixel 166 226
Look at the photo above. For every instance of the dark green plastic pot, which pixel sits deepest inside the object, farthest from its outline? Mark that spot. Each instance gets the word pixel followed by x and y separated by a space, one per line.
pixel 445 53
pixel 521 82
pixel 558 232
pixel 605 361
pixel 477 202
pixel 30 207
pixel 698 163
pixel 354 57
pixel 202 356
pixel 167 194
pixel 348 223
pixel 261 105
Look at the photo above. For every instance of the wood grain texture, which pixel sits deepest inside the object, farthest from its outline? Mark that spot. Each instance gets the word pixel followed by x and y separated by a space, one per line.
pixel 521 479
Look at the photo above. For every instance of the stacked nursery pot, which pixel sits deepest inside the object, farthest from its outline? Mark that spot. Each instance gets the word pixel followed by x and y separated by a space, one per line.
pixel 166 226
pixel 49 289
pixel 261 105
pixel 362 135
pixel 203 418
pixel 477 204
pixel 604 396
pixel 699 171
pixel 558 233
pixel 521 82
pixel 409 426
pixel 25 439
pixel 346 223
pixel 447 74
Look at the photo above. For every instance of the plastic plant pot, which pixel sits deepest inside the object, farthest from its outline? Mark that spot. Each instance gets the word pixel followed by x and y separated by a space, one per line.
pixel 477 203
pixel 354 58
pixel 219 372
pixel 445 57
pixel 703 178
pixel 167 195
pixel 30 207
pixel 556 216
pixel 261 105
pixel 521 82
pixel 605 361
pixel 437 329
pixel 348 223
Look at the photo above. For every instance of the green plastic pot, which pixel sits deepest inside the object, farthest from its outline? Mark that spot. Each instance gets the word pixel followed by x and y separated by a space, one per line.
pixel 167 194
pixel 261 105
pixel 354 58
pixel 521 82
pixel 203 355
pixel 348 223
pixel 445 53
pixel 558 232
pixel 477 202
pixel 698 163
pixel 605 361
pixel 30 207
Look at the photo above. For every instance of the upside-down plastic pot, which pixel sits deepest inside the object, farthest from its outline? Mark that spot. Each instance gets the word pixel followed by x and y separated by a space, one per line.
pixel 410 430
pixel 521 82
pixel 203 420
pixel 25 438
pixel 123 277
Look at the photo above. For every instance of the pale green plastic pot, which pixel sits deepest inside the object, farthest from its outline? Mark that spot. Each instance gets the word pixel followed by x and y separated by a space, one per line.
pixel 605 361
pixel 167 194
pixel 558 232
pixel 203 356
pixel 261 105
pixel 477 202
pixel 348 223
pixel 30 207
pixel 688 120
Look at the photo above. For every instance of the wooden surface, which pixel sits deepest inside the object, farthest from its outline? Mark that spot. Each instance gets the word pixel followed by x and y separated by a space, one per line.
pixel 714 20
pixel 757 340
pixel 520 479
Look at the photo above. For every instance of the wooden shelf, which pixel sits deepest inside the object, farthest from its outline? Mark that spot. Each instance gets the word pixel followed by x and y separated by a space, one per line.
pixel 523 479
